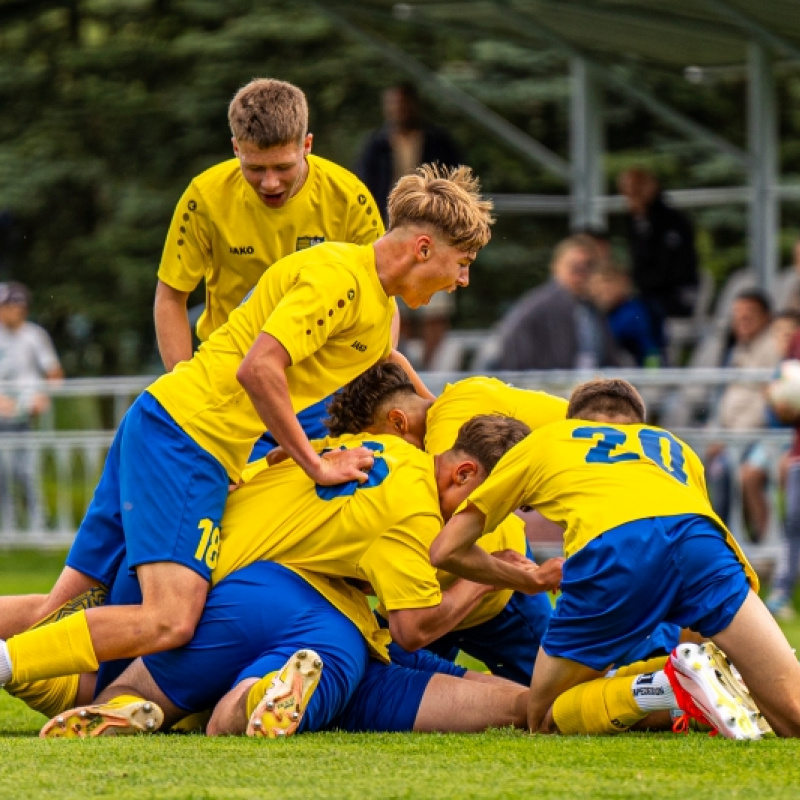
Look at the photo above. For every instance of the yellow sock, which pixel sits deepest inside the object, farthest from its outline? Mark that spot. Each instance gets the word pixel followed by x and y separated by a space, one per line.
pixel 61 648
pixel 50 696
pixel 604 705
pixel 642 667
pixel 257 692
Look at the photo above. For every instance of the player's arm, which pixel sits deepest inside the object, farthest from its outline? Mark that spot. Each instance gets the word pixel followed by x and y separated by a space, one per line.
pixel 456 551
pixel 173 332
pixel 413 628
pixel 396 357
pixel 262 373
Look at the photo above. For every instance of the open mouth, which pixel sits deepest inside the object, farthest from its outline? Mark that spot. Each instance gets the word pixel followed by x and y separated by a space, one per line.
pixel 272 199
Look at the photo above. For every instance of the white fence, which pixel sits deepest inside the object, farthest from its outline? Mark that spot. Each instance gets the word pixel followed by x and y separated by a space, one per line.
pixel 63 466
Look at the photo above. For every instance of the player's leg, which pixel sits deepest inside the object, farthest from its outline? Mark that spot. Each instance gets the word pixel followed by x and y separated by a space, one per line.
pixel 170 500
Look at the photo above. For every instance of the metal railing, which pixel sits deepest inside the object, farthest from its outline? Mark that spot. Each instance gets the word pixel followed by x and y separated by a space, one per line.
pixel 63 465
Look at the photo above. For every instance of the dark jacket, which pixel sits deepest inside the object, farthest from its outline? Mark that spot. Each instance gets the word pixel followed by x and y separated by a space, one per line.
pixel 663 258
pixel 376 168
pixel 539 332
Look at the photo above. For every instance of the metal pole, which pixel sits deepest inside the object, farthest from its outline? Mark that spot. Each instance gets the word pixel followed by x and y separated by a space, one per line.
pixel 586 145
pixel 762 139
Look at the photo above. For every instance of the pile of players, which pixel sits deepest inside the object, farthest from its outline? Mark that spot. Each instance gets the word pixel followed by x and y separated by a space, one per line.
pixel 220 575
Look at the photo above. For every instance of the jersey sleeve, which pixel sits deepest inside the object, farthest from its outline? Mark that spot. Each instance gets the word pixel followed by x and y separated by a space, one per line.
pixel 314 309
pixel 187 248
pixel 364 223
pixel 398 566
pixel 507 488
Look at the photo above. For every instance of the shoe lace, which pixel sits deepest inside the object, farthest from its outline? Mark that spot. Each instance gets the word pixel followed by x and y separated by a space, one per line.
pixel 686 703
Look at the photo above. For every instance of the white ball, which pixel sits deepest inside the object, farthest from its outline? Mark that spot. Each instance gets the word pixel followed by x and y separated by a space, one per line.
pixel 785 391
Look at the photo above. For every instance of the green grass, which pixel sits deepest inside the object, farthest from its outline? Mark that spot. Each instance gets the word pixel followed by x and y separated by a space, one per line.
pixel 497 764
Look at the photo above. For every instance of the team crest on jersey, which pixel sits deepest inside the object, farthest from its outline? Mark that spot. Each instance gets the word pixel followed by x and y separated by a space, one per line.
pixel 304 242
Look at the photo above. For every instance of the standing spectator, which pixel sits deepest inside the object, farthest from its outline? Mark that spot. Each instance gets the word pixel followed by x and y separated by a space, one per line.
pixel 27 356
pixel 742 406
pixel 556 326
pixel 663 256
pixel 628 317
pixel 403 143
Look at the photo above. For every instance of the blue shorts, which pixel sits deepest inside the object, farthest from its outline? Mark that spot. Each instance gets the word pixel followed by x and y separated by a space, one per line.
pixel 388 698
pixel 252 623
pixel 617 589
pixel 160 498
pixel 311 419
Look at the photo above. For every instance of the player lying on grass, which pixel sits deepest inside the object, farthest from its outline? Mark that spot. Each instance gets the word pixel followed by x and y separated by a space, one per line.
pixel 505 628
pixel 356 531
pixel 643 546
pixel 315 320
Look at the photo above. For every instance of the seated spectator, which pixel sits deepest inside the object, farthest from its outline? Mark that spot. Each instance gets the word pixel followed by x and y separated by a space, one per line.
pixel 27 356
pixel 628 317
pixel 754 471
pixel 556 326
pixel 743 405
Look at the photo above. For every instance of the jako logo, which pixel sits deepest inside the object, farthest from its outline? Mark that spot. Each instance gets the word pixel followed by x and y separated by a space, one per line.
pixel 242 251
pixel 358 346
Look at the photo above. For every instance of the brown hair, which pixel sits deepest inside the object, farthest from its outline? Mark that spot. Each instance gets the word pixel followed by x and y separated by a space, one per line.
pixel 269 113
pixel 446 198
pixel 488 437
pixel 608 397
pixel 356 406
pixel 574 242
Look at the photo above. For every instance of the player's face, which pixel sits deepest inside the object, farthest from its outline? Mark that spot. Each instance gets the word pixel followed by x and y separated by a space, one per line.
pixel 275 173
pixel 441 268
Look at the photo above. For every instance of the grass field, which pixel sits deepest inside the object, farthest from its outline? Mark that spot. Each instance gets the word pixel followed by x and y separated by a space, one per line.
pixel 497 764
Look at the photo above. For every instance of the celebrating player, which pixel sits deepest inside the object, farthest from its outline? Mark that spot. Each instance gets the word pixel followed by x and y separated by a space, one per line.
pixel 315 320
pixel 643 545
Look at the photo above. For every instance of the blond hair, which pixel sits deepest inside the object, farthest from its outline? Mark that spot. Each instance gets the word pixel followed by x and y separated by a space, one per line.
pixel 269 113
pixel 578 241
pixel 447 199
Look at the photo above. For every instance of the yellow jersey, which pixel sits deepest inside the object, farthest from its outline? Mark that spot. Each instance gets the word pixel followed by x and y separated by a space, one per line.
pixel 327 308
pixel 460 402
pixel 222 232
pixel 591 477
pixel 379 531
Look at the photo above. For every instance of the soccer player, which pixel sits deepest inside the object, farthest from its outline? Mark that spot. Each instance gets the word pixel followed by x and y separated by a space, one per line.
pixel 643 545
pixel 260 612
pixel 505 629
pixel 315 320
pixel 236 219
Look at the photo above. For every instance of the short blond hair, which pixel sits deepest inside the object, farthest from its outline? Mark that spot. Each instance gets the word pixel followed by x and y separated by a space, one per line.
pixel 577 241
pixel 269 113
pixel 446 198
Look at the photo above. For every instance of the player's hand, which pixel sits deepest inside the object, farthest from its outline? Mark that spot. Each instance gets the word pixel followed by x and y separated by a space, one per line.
pixel 547 577
pixel 341 466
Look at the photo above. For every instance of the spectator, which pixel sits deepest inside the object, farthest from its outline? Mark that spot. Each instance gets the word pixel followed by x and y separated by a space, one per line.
pixel 663 256
pixel 791 289
pixel 26 356
pixel 780 600
pixel 403 143
pixel 754 471
pixel 742 406
pixel 556 326
pixel 628 317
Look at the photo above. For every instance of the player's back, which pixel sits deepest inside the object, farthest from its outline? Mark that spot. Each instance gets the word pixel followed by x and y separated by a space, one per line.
pixel 590 477
pixel 282 515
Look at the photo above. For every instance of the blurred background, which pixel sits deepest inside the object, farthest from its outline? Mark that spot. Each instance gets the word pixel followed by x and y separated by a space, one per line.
pixel 111 107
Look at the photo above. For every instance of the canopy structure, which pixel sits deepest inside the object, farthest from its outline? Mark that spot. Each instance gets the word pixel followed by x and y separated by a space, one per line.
pixel 596 36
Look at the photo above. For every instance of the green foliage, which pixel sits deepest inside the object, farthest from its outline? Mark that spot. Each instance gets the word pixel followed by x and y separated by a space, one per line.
pixel 111 106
